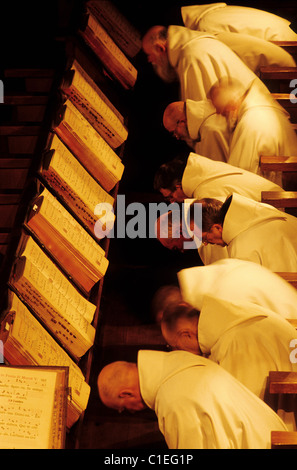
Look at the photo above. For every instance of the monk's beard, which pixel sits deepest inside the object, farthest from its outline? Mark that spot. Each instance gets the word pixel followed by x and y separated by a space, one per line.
pixel 166 72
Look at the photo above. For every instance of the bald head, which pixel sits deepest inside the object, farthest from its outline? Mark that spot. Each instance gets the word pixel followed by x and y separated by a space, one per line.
pixel 118 386
pixel 179 326
pixel 175 120
pixel 227 95
pixel 153 36
pixel 164 296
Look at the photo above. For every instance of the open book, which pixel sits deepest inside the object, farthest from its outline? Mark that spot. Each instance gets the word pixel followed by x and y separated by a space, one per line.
pixel 124 34
pixel 54 300
pixel 73 248
pixel 88 146
pixel 75 186
pixel 94 105
pixel 111 56
pixel 33 404
pixel 26 342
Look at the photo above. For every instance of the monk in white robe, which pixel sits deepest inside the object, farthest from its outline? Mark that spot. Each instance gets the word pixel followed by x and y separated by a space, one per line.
pixel 238 281
pixel 199 177
pixel 206 178
pixel 247 340
pixel 259 125
pixel 256 232
pixel 256 52
pixel 193 399
pixel 198 124
pixel 220 17
pixel 197 59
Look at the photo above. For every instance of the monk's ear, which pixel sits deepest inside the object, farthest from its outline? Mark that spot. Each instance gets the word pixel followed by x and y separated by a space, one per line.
pixel 160 47
pixel 187 340
pixel 125 393
pixel 218 227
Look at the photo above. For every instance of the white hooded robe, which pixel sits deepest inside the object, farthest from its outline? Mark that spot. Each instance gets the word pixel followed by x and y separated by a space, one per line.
pixel 204 178
pixel 238 281
pixel 248 341
pixel 194 399
pixel 261 233
pixel 200 60
pixel 263 128
pixel 220 17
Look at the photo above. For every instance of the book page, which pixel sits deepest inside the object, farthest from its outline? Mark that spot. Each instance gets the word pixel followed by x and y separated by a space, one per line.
pixel 41 349
pixel 120 29
pixel 113 50
pixel 85 95
pixel 106 157
pixel 66 324
pixel 53 278
pixel 82 186
pixel 76 66
pixel 26 408
pixel 59 218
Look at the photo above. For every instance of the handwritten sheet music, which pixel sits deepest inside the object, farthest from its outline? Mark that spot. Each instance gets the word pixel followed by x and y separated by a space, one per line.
pixel 89 96
pixel 93 141
pixel 45 351
pixel 51 277
pixel 26 408
pixel 58 217
pixel 76 177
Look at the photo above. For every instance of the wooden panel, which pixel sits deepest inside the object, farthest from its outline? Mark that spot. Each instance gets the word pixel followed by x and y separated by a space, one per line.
pixel 283 440
pixel 282 382
pixel 280 198
pixel 13 178
pixel 289 277
pixel 289 46
pixel 278 73
pixel 274 163
pixel 7 215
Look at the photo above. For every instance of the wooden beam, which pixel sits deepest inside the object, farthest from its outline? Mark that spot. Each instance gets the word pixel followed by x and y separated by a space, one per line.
pixel 278 73
pixel 283 440
pixel 282 382
pixel 291 278
pixel 280 198
pixel 274 163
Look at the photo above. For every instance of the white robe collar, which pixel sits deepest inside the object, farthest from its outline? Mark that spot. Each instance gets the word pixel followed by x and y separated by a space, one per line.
pixel 197 112
pixel 219 316
pixel 244 213
pixel 156 367
pixel 201 169
pixel 178 37
pixel 192 14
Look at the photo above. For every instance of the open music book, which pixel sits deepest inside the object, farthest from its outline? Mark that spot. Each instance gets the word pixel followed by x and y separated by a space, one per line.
pixel 94 105
pixel 126 36
pixel 33 404
pixel 111 56
pixel 26 342
pixel 54 300
pixel 88 146
pixel 75 186
pixel 72 247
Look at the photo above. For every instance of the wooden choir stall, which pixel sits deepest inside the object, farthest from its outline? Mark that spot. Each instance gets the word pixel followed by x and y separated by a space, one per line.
pixel 62 143
pixel 64 128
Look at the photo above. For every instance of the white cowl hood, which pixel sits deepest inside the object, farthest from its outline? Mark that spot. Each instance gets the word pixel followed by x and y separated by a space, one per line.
pixel 201 170
pixel 192 14
pixel 178 38
pixel 244 213
pixel 155 367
